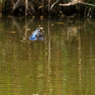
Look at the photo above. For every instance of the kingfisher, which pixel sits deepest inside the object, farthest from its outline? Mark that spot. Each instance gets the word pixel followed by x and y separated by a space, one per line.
pixel 37 35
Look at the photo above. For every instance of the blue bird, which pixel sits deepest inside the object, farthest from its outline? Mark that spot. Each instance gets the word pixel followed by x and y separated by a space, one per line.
pixel 37 35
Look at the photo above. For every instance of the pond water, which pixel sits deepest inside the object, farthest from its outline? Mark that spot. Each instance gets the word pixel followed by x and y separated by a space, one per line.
pixel 63 64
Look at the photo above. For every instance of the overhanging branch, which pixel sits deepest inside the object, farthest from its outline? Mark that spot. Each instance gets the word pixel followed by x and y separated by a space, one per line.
pixel 76 2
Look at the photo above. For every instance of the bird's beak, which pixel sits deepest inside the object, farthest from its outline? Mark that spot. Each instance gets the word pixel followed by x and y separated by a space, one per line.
pixel 41 28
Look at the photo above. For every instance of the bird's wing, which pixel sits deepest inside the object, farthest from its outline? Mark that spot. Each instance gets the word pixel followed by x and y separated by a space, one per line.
pixel 40 37
pixel 33 32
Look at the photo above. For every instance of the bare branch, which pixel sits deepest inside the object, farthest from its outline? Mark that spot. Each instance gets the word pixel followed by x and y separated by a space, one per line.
pixel 54 4
pixel 88 4
pixel 76 2
pixel 15 5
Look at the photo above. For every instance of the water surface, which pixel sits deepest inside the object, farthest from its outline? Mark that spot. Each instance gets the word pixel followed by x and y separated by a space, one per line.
pixel 63 64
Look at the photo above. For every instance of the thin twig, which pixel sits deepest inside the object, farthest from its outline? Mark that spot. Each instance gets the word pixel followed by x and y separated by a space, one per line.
pixel 15 5
pixel 54 4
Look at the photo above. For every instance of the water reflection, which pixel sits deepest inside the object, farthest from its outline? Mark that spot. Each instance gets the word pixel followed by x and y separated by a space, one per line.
pixel 62 64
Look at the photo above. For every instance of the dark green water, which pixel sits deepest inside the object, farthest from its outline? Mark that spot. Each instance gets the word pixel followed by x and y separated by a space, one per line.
pixel 63 64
